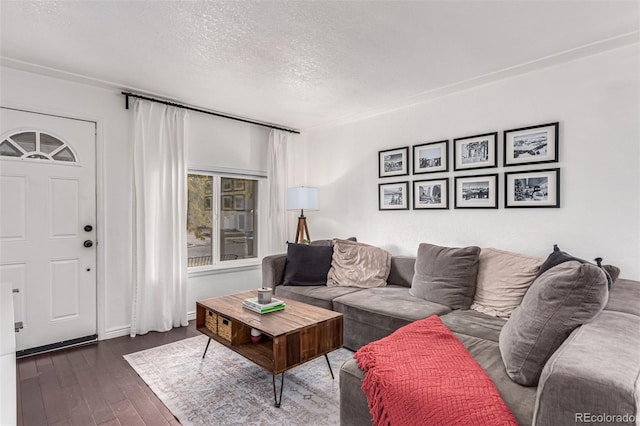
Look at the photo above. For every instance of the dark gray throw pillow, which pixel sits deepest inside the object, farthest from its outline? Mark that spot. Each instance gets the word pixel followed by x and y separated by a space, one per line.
pixel 446 275
pixel 563 298
pixel 558 256
pixel 307 265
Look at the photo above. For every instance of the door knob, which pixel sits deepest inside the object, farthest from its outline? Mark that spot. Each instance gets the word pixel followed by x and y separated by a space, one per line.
pixel 88 228
pixel 88 243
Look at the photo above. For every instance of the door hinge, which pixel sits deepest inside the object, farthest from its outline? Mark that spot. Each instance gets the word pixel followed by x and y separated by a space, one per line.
pixel 18 326
pixel 16 290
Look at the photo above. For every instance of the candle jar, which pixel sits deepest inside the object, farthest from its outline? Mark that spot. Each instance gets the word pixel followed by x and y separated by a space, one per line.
pixel 256 336
pixel 264 295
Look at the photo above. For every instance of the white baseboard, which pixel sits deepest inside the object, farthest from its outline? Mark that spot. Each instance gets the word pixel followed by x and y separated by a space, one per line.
pixel 116 332
pixel 126 330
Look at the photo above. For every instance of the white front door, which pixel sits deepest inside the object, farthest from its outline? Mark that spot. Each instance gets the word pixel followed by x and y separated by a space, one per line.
pixel 48 226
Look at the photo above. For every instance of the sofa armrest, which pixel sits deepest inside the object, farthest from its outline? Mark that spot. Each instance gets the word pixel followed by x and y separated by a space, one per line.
pixel 354 408
pixel 595 372
pixel 273 270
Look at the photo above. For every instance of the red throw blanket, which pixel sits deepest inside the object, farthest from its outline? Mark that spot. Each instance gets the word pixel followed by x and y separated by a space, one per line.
pixel 423 375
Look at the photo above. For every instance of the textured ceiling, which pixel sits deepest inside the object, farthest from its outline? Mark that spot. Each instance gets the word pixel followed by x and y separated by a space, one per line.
pixel 300 64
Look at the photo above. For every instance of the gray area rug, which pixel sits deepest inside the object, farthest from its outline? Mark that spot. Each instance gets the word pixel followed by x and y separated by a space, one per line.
pixel 227 389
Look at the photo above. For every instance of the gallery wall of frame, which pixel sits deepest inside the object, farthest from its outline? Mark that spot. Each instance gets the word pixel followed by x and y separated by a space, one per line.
pixel 528 188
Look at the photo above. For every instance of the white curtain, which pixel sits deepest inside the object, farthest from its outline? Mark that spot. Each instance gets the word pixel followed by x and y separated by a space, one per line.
pixel 160 216
pixel 277 170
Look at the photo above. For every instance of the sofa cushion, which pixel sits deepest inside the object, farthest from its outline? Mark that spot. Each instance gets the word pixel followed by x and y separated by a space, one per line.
pixel 595 371
pixel 329 242
pixel 503 279
pixel 402 269
pixel 557 302
pixel 624 297
pixel 446 275
pixel 358 265
pixel 307 265
pixel 370 305
pixel 371 314
pixel 520 399
pixel 321 296
pixel 474 323
pixel 324 243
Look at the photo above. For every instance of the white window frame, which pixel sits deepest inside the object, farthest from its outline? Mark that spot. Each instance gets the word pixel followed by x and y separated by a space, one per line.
pixel 218 265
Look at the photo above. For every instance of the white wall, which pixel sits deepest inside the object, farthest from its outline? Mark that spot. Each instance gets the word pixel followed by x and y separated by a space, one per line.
pixel 596 101
pixel 213 142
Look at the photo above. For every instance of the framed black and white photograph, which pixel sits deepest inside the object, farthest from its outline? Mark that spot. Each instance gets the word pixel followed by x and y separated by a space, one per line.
pixel 431 157
pixel 475 152
pixel 393 196
pixel 535 188
pixel 530 145
pixel 208 202
pixel 476 192
pixel 431 194
pixel 393 162
pixel 227 185
pixel 238 202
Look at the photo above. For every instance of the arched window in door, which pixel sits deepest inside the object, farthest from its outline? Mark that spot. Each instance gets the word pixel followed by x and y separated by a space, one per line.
pixel 36 145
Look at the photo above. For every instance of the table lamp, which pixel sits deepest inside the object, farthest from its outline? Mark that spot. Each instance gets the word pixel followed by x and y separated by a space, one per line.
pixel 302 198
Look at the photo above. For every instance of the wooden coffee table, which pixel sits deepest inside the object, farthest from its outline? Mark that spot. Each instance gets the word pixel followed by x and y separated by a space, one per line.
pixel 290 337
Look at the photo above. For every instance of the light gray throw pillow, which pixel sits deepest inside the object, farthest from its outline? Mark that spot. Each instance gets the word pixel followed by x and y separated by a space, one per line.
pixel 446 275
pixel 355 264
pixel 503 280
pixel 561 299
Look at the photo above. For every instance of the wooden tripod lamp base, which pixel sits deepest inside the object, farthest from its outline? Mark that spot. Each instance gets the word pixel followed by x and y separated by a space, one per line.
pixel 302 198
pixel 302 231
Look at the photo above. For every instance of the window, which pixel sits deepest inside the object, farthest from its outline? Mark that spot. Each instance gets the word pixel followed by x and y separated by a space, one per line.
pixel 36 145
pixel 222 218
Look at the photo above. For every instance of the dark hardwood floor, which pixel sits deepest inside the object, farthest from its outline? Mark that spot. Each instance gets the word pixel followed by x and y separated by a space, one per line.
pixel 92 385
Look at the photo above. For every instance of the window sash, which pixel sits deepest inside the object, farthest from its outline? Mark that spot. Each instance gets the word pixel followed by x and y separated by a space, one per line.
pixel 216 215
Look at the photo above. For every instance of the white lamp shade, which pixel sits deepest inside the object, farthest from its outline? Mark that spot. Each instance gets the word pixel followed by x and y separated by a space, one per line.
pixel 302 198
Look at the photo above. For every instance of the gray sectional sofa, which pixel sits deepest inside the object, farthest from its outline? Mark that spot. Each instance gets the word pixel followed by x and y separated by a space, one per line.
pixel 595 372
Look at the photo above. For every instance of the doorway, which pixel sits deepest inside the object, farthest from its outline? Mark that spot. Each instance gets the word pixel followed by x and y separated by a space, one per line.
pixel 48 227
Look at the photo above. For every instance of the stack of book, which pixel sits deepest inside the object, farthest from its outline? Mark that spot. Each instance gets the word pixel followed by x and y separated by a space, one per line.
pixel 263 308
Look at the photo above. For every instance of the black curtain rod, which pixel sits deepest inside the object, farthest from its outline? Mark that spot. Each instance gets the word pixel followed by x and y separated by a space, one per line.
pixel 217 114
